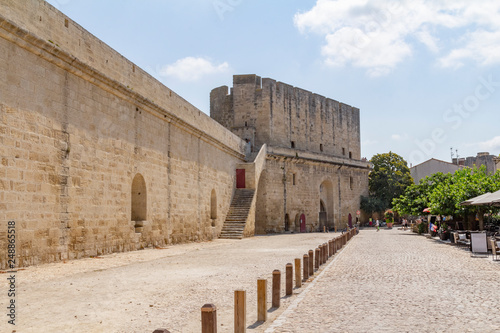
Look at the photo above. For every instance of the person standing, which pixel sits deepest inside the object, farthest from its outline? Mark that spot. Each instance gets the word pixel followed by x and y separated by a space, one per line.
pixel 377 225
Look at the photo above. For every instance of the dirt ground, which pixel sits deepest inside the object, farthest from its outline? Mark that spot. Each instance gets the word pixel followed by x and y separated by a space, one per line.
pixel 154 288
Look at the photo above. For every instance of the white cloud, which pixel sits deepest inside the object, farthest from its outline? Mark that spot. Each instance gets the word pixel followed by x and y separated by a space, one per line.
pixel 399 137
pixel 369 142
pixel 490 145
pixel 193 69
pixel 380 34
pixel 481 46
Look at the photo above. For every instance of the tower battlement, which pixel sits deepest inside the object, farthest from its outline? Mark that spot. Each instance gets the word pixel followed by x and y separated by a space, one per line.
pixel 264 110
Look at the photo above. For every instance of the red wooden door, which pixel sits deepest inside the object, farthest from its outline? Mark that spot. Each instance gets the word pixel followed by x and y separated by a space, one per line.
pixel 349 220
pixel 240 178
pixel 302 223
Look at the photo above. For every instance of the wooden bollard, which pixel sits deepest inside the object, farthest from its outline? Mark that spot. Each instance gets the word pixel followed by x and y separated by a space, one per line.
pixel 316 257
pixel 330 248
pixel 161 330
pixel 325 252
pixel 298 280
pixel 276 288
pixel 311 263
pixel 289 279
pixel 208 318
pixel 320 255
pixel 240 311
pixel 306 267
pixel 261 300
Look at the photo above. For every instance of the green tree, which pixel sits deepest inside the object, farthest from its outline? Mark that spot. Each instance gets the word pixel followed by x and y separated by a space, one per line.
pixel 444 193
pixel 389 178
pixel 465 183
pixel 417 196
pixel 371 205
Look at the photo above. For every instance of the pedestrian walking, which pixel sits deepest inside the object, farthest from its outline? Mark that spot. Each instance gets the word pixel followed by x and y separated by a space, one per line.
pixel 377 224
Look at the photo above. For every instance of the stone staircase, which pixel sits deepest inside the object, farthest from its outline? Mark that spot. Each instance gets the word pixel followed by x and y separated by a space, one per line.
pixel 238 212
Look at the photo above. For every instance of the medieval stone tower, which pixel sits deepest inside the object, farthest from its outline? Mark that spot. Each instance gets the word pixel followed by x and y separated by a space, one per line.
pixel 313 176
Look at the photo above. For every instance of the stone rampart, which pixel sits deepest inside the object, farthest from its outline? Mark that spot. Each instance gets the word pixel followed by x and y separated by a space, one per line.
pixel 97 156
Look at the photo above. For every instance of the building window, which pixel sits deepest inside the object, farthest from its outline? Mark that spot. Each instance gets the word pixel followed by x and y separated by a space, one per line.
pixel 343 151
pixel 350 154
pixel 351 182
pixel 292 144
pixel 320 147
pixel 293 179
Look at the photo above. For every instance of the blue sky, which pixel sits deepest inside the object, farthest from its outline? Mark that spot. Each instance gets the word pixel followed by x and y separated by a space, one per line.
pixel 425 74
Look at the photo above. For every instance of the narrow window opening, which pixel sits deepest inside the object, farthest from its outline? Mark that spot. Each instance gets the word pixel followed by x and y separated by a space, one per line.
pixel 320 147
pixel 246 124
pixel 351 182
pixel 293 179
pixel 350 154
pixel 292 144
pixel 343 151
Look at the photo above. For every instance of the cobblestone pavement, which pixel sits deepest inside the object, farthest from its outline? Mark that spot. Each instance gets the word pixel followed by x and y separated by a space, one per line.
pixel 398 281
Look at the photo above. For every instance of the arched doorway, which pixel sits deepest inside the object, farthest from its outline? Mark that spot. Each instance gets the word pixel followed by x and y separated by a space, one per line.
pixel 297 223
pixel 287 222
pixel 326 205
pixel 213 207
pixel 139 200
pixel 302 223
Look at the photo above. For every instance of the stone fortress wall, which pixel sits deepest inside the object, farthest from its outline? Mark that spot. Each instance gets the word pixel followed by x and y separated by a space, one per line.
pixel 314 168
pixel 97 156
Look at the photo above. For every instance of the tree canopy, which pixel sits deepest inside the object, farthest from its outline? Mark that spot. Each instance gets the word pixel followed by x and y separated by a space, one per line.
pixel 444 193
pixel 389 178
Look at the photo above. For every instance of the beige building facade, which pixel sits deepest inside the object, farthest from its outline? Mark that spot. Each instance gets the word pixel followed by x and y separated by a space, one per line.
pixel 431 167
pixel 98 157
pixel 314 175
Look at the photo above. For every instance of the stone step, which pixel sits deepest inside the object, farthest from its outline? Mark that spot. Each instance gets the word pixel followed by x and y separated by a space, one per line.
pixel 235 222
pixel 231 237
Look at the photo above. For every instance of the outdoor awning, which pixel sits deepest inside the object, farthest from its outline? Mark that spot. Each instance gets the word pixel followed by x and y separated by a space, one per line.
pixel 472 200
pixel 487 199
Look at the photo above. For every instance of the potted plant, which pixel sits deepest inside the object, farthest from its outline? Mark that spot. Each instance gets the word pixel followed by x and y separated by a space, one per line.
pixel 421 227
pixel 389 218
pixel 444 233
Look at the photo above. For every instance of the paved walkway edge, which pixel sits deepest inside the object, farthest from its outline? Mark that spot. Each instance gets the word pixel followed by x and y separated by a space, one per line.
pixel 282 318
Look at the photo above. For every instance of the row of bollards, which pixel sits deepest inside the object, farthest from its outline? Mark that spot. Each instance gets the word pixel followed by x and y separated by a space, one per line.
pixel 311 262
